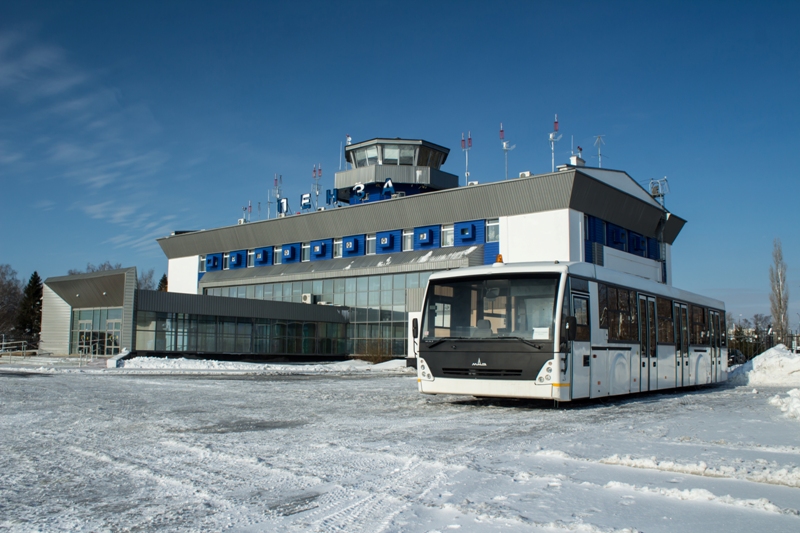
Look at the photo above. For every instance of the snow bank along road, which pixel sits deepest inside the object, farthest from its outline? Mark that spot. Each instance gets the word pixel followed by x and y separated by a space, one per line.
pixel 354 452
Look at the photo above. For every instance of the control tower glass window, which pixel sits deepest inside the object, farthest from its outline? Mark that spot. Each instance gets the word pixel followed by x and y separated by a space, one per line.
pixel 406 155
pixel 391 154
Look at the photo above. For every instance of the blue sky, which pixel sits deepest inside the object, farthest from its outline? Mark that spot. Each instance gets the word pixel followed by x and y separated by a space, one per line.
pixel 121 122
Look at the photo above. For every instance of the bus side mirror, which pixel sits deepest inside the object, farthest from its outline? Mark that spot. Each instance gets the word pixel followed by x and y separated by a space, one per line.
pixel 570 328
pixel 414 328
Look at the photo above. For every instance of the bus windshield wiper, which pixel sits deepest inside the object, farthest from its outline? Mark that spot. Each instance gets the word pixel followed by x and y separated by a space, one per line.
pixel 526 341
pixel 442 339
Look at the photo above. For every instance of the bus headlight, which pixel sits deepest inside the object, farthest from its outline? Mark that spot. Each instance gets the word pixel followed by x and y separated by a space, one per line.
pixel 424 372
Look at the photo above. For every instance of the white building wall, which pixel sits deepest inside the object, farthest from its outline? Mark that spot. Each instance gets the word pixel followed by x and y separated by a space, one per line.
pixel 546 236
pixel 56 318
pixel 631 264
pixel 182 274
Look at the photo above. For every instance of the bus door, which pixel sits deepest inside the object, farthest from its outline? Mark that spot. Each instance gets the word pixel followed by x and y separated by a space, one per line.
pixel 682 344
pixel 581 347
pixel 648 338
pixel 715 341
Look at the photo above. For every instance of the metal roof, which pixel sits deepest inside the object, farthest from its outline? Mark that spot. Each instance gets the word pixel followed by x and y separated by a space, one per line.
pixel 610 195
pixel 171 302
pixel 105 288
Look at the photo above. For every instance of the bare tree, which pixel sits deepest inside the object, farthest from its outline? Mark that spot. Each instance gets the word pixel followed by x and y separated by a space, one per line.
pixel 146 280
pixel 10 296
pixel 779 293
pixel 106 265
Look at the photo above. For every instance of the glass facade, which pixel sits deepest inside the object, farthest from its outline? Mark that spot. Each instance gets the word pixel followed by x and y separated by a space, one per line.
pixel 378 316
pixel 96 331
pixel 176 332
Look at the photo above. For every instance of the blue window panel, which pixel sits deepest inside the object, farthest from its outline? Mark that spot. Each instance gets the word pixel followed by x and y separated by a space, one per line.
pixel 388 242
pixel 616 237
pixel 469 233
pixel 353 246
pixel 588 251
pixel 490 251
pixel 321 250
pixel 263 256
pixel 291 253
pixel 595 230
pixel 637 244
pixel 200 275
pixel 653 249
pixel 426 237
pixel 213 262
pixel 237 259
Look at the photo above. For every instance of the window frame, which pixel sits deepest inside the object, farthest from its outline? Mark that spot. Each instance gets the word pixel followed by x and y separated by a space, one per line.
pixel 493 223
pixel 448 236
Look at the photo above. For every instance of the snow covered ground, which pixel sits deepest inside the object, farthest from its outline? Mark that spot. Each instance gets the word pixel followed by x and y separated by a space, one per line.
pixel 351 447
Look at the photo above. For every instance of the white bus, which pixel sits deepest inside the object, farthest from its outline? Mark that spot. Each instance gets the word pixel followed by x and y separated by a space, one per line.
pixel 564 331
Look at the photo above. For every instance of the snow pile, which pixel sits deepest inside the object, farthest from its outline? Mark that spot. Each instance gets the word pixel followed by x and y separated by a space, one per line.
pixel 789 405
pixel 777 366
pixel 203 365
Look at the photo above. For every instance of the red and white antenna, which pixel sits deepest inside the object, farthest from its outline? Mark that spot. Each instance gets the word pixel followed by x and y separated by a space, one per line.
pixel 507 147
pixel 554 138
pixel 466 146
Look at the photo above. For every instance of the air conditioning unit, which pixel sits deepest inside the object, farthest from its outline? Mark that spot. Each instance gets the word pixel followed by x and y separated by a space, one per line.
pixel 400 194
pixel 307 298
pixel 472 183
pixel 320 209
pixel 324 303
pixel 525 174
pixel 241 221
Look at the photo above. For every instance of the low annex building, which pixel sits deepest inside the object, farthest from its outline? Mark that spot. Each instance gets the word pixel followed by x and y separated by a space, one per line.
pixel 357 267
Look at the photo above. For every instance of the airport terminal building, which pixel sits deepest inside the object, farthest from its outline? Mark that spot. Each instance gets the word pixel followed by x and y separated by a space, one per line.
pixel 356 268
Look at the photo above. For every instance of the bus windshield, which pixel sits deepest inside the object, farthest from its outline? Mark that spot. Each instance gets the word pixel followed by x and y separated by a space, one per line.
pixel 522 307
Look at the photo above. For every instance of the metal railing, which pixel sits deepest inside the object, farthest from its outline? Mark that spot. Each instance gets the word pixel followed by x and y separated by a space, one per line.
pixel 15 348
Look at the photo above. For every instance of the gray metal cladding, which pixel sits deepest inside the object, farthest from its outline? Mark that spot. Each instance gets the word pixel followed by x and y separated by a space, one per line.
pixel 170 302
pixel 56 321
pixel 96 289
pixel 398 174
pixel 128 307
pixel 545 192
pixel 365 265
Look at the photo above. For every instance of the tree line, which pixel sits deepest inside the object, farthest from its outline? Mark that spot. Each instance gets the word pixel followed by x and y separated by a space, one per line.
pixel 21 305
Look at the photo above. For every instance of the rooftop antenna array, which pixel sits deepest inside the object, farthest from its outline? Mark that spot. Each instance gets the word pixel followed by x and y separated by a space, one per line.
pixel 276 193
pixel 658 190
pixel 599 142
pixel 466 146
pixel 506 147
pixel 554 138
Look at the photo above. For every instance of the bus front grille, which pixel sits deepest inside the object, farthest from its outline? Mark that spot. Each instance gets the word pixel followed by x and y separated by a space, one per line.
pixel 481 372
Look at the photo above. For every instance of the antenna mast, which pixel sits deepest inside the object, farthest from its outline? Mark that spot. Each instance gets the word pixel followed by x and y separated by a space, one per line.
pixel 553 140
pixel 317 176
pixel 599 142
pixel 466 146
pixel 506 147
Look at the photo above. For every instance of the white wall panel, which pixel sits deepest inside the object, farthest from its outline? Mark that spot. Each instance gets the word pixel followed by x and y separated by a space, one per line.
pixel 541 236
pixel 631 264
pixel 56 317
pixel 182 274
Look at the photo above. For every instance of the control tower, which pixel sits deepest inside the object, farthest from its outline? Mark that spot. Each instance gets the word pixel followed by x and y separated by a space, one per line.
pixel 390 168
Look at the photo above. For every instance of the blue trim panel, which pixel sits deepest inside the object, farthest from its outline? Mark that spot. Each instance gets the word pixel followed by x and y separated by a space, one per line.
pixel 263 256
pixel 321 250
pixel 427 237
pixel 388 242
pixel 353 246
pixel 490 251
pixel 291 253
pixel 616 237
pixel 470 233
pixel 213 262
pixel 237 259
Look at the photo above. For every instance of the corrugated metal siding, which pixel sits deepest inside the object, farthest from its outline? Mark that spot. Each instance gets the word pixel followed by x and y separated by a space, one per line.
pixel 167 302
pixel 544 192
pixel 56 320
pixel 414 298
pixel 128 307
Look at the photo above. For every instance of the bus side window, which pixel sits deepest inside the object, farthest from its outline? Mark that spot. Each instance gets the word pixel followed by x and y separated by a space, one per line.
pixel 580 306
